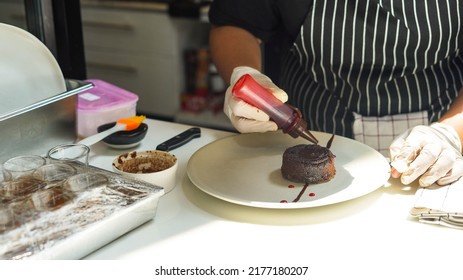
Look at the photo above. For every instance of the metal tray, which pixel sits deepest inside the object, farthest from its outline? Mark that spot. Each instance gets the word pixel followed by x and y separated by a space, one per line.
pixel 81 219
pixel 36 128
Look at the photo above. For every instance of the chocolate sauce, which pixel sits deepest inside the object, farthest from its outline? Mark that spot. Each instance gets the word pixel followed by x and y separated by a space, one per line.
pixel 301 193
pixel 328 145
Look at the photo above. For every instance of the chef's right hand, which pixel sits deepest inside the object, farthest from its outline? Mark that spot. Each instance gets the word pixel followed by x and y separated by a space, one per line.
pixel 245 117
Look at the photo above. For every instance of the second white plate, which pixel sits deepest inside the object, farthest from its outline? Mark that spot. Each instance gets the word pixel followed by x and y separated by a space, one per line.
pixel 28 69
pixel 245 169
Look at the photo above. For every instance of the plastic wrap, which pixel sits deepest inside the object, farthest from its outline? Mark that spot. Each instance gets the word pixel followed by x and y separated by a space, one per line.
pixel 66 210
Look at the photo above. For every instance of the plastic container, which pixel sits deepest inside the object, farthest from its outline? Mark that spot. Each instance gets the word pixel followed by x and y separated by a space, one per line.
pixel 102 104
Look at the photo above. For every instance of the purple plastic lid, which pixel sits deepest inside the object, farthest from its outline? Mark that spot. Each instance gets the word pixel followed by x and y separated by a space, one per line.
pixel 103 96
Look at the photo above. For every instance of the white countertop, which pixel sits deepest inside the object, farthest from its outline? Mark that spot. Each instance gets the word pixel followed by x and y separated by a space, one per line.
pixel 371 237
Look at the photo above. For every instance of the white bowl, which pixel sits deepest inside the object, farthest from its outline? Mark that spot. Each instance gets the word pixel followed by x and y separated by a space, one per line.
pixel 154 167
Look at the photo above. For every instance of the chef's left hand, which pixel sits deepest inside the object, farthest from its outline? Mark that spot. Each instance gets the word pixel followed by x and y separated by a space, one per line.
pixel 432 153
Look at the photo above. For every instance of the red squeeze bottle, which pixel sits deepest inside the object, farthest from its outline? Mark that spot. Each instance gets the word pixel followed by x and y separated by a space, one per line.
pixel 288 118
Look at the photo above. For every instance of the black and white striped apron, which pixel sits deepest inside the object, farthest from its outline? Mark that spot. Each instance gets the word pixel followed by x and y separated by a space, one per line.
pixel 373 59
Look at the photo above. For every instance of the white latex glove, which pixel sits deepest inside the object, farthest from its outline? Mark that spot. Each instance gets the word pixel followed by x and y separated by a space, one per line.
pixel 432 152
pixel 245 117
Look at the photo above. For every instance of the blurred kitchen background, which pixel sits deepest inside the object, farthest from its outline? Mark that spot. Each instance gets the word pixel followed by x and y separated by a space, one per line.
pixel 155 49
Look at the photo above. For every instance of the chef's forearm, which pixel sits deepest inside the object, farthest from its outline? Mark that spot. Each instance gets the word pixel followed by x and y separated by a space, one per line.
pixel 454 116
pixel 231 47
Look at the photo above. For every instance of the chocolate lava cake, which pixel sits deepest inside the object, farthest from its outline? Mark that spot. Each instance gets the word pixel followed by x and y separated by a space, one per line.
pixel 310 164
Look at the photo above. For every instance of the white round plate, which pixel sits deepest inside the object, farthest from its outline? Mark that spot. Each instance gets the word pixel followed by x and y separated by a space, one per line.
pixel 245 169
pixel 29 71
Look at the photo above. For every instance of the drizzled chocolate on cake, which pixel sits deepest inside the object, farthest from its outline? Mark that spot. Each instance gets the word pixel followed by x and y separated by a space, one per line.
pixel 311 164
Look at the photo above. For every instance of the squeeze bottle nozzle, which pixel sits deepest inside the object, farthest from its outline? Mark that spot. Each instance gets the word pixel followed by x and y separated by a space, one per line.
pixel 288 118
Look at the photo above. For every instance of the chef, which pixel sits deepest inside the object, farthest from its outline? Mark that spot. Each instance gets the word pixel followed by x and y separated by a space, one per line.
pixel 386 73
